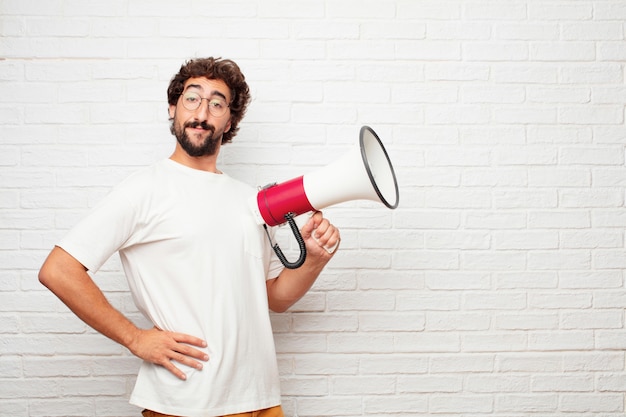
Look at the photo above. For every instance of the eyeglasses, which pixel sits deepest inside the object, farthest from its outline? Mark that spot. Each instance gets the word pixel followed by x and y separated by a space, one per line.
pixel 192 101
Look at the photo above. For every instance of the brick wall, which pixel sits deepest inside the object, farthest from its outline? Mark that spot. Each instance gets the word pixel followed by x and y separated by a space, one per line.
pixel 495 289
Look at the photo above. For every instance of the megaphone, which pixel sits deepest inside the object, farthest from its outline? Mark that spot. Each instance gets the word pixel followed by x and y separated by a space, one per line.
pixel 364 173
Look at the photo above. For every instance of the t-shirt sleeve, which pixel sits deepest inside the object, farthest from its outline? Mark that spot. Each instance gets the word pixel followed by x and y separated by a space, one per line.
pixel 102 232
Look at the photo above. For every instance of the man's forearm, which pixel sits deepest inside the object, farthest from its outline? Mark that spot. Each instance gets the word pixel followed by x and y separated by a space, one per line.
pixel 69 281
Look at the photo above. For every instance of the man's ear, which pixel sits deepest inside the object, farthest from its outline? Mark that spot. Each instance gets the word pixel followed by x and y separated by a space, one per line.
pixel 227 128
pixel 172 111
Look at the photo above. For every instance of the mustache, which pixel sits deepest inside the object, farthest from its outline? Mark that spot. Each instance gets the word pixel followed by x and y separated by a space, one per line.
pixel 203 125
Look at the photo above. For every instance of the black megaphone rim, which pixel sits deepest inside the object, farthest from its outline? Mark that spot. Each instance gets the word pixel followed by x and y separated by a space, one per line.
pixel 369 170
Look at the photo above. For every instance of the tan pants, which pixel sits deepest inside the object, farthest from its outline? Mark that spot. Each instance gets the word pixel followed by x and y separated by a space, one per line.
pixel 268 412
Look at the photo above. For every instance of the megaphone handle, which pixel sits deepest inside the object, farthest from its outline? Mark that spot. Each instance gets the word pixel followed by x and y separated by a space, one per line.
pixel 299 239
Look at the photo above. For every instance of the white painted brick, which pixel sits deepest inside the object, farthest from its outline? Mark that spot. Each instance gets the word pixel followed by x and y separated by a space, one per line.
pixel 604 197
pixel 448 71
pixel 460 321
pixel 459 198
pixel 429 9
pixel 527 240
pixel 430 384
pixel 372 322
pixel 557 341
pixel 385 280
pixel 562 51
pixel 430 342
pixel 367 301
pixel 572 219
pixel 593 361
pixel 427 303
pixel 427 220
pixel 530 199
pixel 452 280
pixel 597 115
pixel 592 31
pixel 591 239
pixel 609 299
pixel 608 218
pixel 496 384
pixel 396 404
pixel 487 301
pixel 529 362
pixel 494 220
pixel 355 9
pixel 495 51
pixel 612 382
pixel 454 404
pixel 591 74
pixel 545 403
pixel 525 321
pixel 14 407
pixel 597 320
pixel 395 364
pixel 493 261
pixel 592 403
pixel 437 260
pixel 594 279
pixel 304 386
pixel 487 94
pixel 561 260
pixel 563 177
pixel 611 51
pixel 547 383
pixel 608 95
pixel 485 10
pixel 326 364
pixel 527 115
pixel 351 385
pixel 360 343
pixel 457 240
pixel 561 11
pixel 328 406
pixel 559 95
pixel 428 50
pixel 325 323
pixel 525 31
pixel 446 30
pixel 70 407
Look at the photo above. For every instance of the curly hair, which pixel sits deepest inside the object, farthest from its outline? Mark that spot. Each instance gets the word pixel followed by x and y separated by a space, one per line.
pixel 215 69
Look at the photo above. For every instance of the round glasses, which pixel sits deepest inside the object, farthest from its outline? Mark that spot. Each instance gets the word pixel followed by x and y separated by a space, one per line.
pixel 192 101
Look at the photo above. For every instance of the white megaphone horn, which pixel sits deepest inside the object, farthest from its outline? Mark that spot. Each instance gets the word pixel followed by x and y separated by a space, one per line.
pixel 364 173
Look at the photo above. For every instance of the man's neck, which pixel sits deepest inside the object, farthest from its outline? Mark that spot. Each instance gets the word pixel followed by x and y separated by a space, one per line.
pixel 202 163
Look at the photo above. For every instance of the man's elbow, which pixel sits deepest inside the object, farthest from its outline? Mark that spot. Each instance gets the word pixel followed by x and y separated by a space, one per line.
pixel 57 266
pixel 280 306
pixel 46 273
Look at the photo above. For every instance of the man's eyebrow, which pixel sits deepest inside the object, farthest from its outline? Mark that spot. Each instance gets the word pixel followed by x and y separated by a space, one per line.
pixel 199 87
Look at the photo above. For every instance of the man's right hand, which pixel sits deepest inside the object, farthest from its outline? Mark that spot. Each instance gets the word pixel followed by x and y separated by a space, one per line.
pixel 163 348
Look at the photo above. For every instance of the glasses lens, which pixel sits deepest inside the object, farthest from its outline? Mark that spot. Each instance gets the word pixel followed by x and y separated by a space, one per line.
pixel 217 107
pixel 191 101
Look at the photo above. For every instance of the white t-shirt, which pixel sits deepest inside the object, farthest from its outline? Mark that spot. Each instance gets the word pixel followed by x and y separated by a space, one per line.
pixel 196 263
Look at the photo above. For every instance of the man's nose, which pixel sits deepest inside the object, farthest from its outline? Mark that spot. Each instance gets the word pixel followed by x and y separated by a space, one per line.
pixel 202 112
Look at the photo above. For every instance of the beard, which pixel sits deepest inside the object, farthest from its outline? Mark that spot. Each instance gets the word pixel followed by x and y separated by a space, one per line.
pixel 208 146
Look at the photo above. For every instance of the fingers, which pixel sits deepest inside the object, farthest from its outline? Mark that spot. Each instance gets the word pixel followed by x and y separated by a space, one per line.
pixel 323 232
pixel 164 348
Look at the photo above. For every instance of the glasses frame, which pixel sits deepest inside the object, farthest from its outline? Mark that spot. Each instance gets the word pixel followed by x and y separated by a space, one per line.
pixel 215 111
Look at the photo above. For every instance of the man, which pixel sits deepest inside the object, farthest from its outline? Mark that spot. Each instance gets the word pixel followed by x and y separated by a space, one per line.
pixel 198 266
